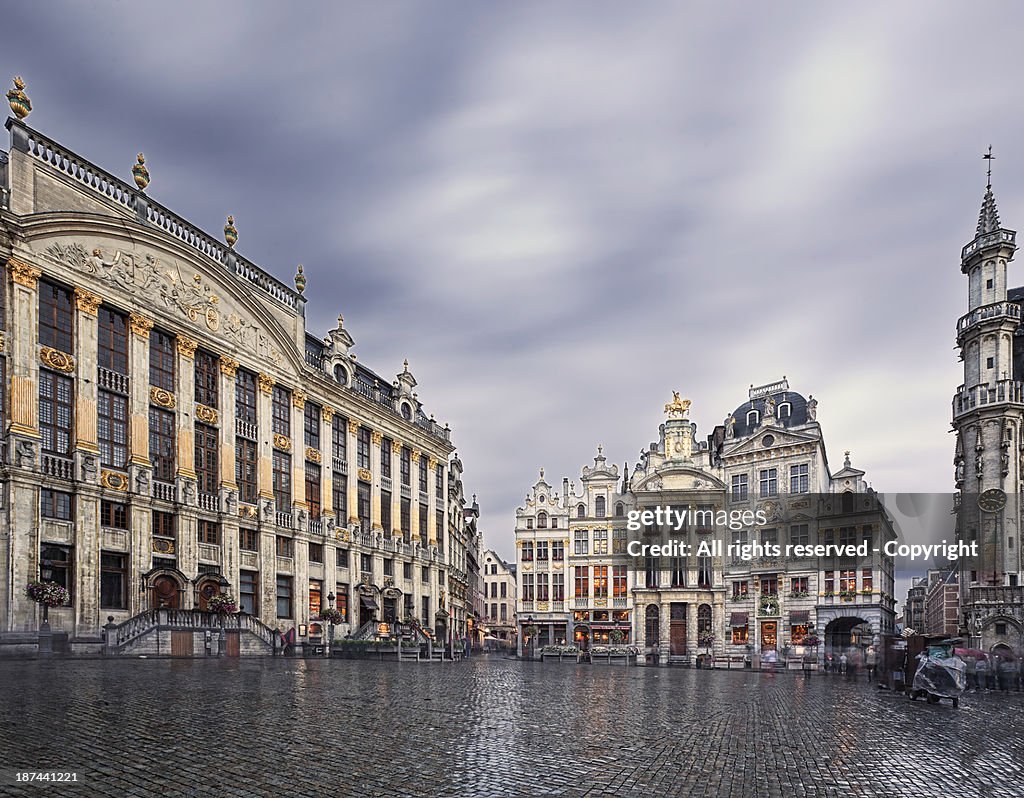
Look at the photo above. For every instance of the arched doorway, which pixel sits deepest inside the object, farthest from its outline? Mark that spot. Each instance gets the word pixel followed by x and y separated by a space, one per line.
pixel 844 633
pixel 581 637
pixel 652 625
pixel 207 587
pixel 165 588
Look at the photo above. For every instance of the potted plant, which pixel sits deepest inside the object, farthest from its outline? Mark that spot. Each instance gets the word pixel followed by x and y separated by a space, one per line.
pixel 222 604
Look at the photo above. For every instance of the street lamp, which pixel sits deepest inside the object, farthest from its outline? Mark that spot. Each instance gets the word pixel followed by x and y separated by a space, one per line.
pixel 223 584
pixel 45 635
pixel 330 624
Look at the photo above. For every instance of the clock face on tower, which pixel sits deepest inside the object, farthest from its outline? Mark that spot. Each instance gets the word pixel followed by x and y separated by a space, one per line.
pixel 992 500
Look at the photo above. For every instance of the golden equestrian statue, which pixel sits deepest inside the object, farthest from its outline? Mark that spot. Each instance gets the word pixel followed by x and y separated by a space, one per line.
pixel 677 408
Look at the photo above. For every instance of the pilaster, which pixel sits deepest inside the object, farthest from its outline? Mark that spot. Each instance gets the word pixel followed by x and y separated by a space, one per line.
pixel 351 446
pixel 265 447
pixel 326 465
pixel 375 488
pixel 414 497
pixel 396 491
pixel 23 367
pixel 298 454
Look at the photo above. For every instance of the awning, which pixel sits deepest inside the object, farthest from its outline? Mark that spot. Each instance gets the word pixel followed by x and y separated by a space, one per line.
pixel 738 619
pixel 799 617
pixel 368 601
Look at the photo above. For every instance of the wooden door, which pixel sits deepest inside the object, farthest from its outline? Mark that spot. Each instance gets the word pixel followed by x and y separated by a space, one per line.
pixel 165 593
pixel 677 638
pixel 769 634
pixel 231 649
pixel 181 644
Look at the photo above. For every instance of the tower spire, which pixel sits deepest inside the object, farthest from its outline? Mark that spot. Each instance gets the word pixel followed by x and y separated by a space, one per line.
pixel 988 218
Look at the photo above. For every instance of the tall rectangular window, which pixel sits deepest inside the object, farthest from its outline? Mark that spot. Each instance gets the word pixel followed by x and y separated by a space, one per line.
pixel 60 560
pixel 867 580
pixel 284 596
pixel 340 490
pixel 163 525
pixel 112 340
pixel 581 540
pixel 385 457
pixel 422 520
pixel 557 586
pixel 405 507
pixel 245 469
pixel 162 360
pixel 439 482
pixel 113 515
pixel 582 576
pixel 527 587
pixel 282 465
pixel 601 581
pixel 281 410
pixel 798 478
pixel 385 511
pixel 245 396
pixel 55 504
pixel 313 491
pixel 799 534
pixel 618 581
pixel 207 378
pixel 542 589
pixel 363 448
pixel 56 412
pixel 209 532
pixel 56 317
pixel 363 505
pixel 3 382
pixel 206 459
pixel 248 539
pixel 422 469
pixel 341 604
pixel 405 465
pixel 162 448
pixel 769 482
pixel 339 438
pixel 248 582
pixel 439 518
pixel 311 423
pixel 113 580
pixel 285 546
pixel 740 487
pixel 112 428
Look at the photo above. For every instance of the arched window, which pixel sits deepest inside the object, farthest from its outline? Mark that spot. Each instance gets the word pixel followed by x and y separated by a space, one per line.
pixel 406 412
pixel 752 418
pixel 599 506
pixel 704 619
pixel 847 502
pixel 581 511
pixel 785 410
pixel 542 520
pixel 620 509
pixel 340 374
pixel 651 624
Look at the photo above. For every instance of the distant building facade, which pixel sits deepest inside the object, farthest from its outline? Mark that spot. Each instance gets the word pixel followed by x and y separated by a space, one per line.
pixel 768 456
pixel 942 603
pixel 499 601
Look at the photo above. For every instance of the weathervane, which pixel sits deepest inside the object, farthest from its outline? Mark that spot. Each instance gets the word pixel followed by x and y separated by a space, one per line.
pixel 988 156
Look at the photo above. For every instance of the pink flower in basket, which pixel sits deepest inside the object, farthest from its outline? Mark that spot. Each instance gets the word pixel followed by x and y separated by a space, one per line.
pixel 222 604
pixel 49 593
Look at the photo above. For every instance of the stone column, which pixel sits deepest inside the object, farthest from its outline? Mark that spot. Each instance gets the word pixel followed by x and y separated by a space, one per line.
pixel 692 647
pixel 375 454
pixel 327 468
pixel 351 447
pixel 432 501
pixel 265 447
pixel 187 491
pixel 396 495
pixel 87 527
pixel 414 497
pixel 139 466
pixel 299 504
pixel 229 551
pixel 22 365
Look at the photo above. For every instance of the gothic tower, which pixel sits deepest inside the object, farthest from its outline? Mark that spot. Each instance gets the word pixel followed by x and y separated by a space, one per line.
pixel 988 418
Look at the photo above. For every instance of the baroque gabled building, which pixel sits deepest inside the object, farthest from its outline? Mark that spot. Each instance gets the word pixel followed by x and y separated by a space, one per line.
pixel 767 460
pixel 172 430
pixel 988 418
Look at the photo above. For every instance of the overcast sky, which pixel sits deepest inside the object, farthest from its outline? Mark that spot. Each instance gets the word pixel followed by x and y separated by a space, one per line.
pixel 560 212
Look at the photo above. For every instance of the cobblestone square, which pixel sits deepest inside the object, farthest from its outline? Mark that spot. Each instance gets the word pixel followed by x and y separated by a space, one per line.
pixel 489 727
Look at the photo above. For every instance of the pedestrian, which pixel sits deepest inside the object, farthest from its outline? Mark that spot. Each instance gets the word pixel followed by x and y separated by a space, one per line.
pixel 972 674
pixel 872 662
pixel 981 670
pixel 842 663
pixel 1007 672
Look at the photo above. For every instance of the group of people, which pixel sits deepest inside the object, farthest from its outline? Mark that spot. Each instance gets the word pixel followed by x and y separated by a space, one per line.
pixel 851 662
pixel 994 672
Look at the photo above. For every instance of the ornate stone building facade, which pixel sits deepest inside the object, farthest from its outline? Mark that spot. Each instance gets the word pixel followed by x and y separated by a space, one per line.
pixel 499 601
pixel 988 418
pixel 767 458
pixel 172 430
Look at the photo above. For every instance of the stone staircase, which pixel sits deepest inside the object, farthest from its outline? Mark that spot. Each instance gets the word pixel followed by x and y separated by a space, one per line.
pixel 172 632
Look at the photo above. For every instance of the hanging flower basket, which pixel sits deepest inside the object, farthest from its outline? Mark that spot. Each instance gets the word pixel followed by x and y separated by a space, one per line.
pixel 332 615
pixel 706 641
pixel 810 641
pixel 48 593
pixel 616 636
pixel 222 604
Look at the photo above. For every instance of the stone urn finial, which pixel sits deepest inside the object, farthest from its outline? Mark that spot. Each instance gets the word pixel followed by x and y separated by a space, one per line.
pixel 141 173
pixel 230 233
pixel 300 280
pixel 20 103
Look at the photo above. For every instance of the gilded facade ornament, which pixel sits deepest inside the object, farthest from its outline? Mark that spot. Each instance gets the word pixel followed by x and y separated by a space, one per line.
pixel 163 546
pixel 266 384
pixel 353 427
pixel 161 398
pixel 313 455
pixel 327 413
pixel 140 172
pixel 247 511
pixel 23 274
pixel 21 105
pixel 86 301
pixel 677 408
pixel 230 232
pixel 376 437
pixel 282 442
pixel 415 456
pixel 207 414
pixel 3 342
pixel 187 347
pixel 300 280
pixel 55 359
pixel 432 464
pixel 299 399
pixel 364 474
pixel 141 326
pixel 114 480
pixel 228 366
pixel 396 447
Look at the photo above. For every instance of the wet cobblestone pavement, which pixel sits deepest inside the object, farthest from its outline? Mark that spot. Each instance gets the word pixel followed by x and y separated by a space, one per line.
pixel 177 728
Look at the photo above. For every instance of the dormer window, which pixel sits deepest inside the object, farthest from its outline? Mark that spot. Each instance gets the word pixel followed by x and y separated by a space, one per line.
pixel 340 375
pixel 406 412
pixel 599 507
pixel 620 510
pixel 581 511
pixel 752 418
pixel 529 523
pixel 785 410
pixel 542 520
